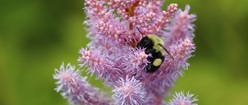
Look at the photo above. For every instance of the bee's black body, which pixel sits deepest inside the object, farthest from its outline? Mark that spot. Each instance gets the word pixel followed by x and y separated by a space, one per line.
pixel 152 43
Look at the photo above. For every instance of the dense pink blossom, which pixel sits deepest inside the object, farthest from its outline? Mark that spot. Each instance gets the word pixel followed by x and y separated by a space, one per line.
pixel 115 27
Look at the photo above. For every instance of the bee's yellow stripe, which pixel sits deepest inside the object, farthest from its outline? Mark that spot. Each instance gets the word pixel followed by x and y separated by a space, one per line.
pixel 157 62
pixel 156 41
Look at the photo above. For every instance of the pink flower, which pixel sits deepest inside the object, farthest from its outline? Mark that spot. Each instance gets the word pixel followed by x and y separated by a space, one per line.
pixel 113 55
pixel 129 91
pixel 181 99
pixel 76 89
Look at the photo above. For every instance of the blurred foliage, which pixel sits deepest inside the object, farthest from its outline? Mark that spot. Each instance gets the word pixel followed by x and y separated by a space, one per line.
pixel 37 35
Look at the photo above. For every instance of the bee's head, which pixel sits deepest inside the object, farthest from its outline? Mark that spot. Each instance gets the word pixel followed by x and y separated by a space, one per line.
pixel 145 42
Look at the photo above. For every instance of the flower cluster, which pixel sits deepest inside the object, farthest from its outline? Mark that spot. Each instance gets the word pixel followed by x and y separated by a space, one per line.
pixel 76 88
pixel 181 99
pixel 115 27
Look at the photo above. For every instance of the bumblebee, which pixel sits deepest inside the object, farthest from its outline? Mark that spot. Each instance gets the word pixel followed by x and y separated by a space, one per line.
pixel 155 46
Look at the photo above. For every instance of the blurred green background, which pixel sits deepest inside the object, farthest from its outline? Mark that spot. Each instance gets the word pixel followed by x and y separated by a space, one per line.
pixel 37 35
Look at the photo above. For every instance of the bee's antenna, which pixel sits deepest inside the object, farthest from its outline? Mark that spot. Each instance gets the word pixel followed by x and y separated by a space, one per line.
pixel 166 50
pixel 140 31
